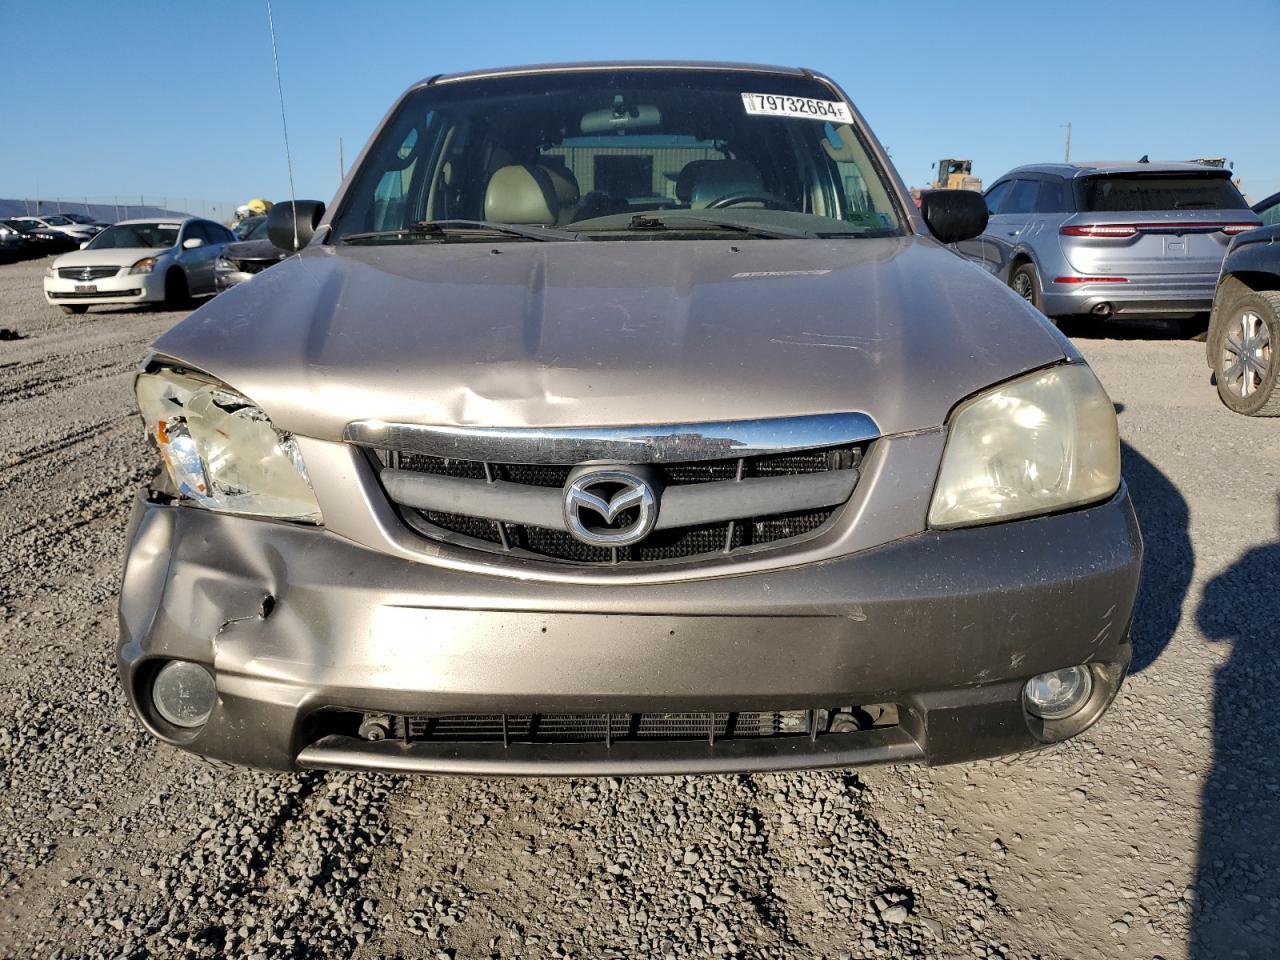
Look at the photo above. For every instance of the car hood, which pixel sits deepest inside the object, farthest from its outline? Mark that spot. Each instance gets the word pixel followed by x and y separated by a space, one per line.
pixel 117 256
pixel 615 333
pixel 253 250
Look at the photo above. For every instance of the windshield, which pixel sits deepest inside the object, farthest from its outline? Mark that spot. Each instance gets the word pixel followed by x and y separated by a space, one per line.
pixel 1148 192
pixel 251 228
pixel 256 231
pixel 140 235
pixel 589 150
pixel 57 221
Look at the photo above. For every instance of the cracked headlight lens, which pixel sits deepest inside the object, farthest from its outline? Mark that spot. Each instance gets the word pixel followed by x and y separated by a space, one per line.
pixel 1043 442
pixel 222 451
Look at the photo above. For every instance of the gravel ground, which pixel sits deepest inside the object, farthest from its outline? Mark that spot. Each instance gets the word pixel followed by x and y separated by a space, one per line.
pixel 1153 835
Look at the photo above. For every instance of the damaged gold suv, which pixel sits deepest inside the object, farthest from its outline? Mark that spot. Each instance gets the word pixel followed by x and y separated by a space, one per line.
pixel 624 418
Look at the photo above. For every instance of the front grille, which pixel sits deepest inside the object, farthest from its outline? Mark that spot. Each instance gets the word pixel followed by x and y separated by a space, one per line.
pixel 722 537
pixel 94 273
pixel 609 728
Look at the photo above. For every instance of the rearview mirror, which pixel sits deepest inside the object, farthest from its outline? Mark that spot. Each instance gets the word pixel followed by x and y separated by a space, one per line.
pixel 619 117
pixel 954 215
pixel 191 243
pixel 292 223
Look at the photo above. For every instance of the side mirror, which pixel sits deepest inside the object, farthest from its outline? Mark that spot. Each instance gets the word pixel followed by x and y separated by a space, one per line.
pixel 289 220
pixel 954 215
pixel 83 245
pixel 192 243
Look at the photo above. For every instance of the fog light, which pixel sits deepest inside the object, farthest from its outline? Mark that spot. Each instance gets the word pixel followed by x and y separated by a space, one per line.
pixel 1059 693
pixel 183 693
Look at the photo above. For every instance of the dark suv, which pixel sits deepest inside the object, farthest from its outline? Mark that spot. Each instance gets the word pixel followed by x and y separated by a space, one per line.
pixel 1244 328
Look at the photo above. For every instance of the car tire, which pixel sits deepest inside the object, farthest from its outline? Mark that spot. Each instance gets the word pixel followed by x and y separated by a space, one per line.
pixel 177 295
pixel 1026 283
pixel 1246 354
pixel 76 308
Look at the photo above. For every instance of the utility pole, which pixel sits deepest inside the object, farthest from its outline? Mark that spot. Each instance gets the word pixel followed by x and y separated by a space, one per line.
pixel 1066 153
pixel 342 165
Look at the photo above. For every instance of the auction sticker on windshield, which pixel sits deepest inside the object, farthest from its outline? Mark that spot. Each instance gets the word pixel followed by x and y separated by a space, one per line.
pixel 776 105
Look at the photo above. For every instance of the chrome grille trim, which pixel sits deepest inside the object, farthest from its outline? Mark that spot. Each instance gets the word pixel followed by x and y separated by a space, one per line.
pixel 682 506
pixel 94 273
pixel 640 444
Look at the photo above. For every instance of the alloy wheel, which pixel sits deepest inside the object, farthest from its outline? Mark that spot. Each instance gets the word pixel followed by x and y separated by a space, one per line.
pixel 1246 353
pixel 1023 287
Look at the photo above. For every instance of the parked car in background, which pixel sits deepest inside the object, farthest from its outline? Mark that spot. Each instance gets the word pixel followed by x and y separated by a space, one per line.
pixel 77 231
pixel 86 221
pixel 242 228
pixel 1268 209
pixel 13 242
pixel 252 254
pixel 139 261
pixel 1243 342
pixel 1112 239
pixel 763 477
pixel 41 241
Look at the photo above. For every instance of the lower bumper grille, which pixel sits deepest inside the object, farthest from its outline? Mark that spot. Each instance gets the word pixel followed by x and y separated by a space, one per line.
pixel 69 295
pixel 609 728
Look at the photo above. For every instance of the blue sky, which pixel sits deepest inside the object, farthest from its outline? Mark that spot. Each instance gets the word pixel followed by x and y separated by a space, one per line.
pixel 179 99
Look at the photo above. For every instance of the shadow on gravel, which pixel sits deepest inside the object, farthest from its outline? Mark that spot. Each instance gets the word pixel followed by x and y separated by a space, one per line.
pixel 1168 560
pixel 1236 912
pixel 1134 328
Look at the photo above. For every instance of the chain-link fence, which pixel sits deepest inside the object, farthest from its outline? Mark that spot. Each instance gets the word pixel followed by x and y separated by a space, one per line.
pixel 115 208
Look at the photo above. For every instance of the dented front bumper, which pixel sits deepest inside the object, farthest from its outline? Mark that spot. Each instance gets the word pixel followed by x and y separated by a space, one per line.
pixel 296 622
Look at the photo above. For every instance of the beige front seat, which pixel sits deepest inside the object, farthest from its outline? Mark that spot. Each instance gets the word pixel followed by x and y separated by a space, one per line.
pixel 566 188
pixel 521 194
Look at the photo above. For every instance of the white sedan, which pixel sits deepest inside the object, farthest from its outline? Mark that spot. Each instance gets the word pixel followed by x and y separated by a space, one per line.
pixel 139 261
pixel 56 221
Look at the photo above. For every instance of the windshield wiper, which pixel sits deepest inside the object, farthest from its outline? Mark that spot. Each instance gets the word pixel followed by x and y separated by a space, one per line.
pixel 768 232
pixel 642 222
pixel 441 229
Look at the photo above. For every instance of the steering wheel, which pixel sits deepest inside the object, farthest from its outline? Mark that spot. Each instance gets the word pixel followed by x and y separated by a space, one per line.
pixel 771 201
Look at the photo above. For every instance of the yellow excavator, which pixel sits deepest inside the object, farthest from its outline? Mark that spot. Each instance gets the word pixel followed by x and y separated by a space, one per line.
pixel 955 175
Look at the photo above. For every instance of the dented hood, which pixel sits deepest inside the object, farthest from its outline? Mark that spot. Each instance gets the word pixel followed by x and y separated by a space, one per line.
pixel 614 333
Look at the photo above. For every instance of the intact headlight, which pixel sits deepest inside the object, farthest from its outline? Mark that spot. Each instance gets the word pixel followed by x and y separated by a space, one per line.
pixel 223 265
pixel 1043 442
pixel 222 451
pixel 145 265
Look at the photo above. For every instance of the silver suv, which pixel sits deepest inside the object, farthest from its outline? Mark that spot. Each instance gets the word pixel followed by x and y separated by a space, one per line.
pixel 1108 239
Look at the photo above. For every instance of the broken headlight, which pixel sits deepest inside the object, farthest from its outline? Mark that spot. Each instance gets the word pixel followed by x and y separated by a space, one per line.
pixel 222 451
pixel 1043 442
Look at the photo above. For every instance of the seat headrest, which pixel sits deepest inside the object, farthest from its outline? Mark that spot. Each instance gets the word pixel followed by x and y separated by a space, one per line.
pixel 702 181
pixel 521 194
pixel 563 182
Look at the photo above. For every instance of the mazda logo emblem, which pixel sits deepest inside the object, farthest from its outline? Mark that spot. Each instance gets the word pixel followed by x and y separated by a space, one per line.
pixel 610 507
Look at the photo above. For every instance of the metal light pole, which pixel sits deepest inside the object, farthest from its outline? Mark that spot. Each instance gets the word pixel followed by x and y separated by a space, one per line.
pixel 1066 153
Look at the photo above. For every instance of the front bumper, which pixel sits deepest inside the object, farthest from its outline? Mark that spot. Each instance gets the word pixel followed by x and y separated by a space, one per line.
pixel 226 279
pixel 296 622
pixel 1161 295
pixel 124 287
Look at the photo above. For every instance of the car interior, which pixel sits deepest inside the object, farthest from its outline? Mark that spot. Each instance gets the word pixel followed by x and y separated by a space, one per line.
pixel 595 155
